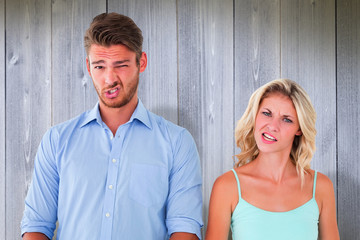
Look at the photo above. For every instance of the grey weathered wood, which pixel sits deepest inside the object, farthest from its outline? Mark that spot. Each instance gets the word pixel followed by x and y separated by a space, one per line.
pixel 257 49
pixel 158 84
pixel 348 117
pixel 73 90
pixel 28 98
pixel 2 121
pixel 206 84
pixel 308 57
pixel 205 60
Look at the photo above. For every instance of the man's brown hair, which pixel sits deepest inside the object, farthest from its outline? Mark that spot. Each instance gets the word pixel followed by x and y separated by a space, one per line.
pixel 109 29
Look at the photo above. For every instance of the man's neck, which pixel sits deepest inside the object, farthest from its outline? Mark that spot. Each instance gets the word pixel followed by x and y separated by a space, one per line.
pixel 114 117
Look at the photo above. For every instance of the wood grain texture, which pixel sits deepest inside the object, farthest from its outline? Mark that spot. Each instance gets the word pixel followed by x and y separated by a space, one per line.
pixel 206 84
pixel 158 84
pixel 348 114
pixel 28 97
pixel 2 121
pixel 308 57
pixel 72 88
pixel 205 58
pixel 257 49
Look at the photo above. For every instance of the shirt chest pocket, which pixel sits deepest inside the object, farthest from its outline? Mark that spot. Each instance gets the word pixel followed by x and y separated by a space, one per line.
pixel 148 184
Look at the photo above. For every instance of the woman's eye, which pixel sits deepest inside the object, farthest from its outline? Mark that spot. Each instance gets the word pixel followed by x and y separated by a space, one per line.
pixel 98 67
pixel 267 114
pixel 287 120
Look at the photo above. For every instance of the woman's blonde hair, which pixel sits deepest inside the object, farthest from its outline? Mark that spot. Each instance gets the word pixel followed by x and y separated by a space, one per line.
pixel 303 146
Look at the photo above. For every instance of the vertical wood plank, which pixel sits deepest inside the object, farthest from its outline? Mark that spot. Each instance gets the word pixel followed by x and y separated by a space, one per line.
pixel 28 93
pixel 2 120
pixel 205 41
pixel 348 115
pixel 257 49
pixel 73 90
pixel 158 84
pixel 308 57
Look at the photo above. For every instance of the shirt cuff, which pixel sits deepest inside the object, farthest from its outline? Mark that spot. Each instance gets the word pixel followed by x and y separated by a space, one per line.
pixel 38 227
pixel 183 225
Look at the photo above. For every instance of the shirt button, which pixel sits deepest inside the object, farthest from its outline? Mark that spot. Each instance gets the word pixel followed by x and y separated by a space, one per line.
pixel 107 215
pixel 114 160
pixel 111 186
pixel 111 137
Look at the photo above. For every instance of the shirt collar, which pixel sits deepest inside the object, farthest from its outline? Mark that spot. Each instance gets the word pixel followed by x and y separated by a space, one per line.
pixel 140 114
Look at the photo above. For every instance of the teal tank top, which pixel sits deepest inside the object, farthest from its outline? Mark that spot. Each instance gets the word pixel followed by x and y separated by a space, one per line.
pixel 251 223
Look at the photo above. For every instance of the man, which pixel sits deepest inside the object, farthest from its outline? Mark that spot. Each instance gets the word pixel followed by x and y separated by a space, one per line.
pixel 117 171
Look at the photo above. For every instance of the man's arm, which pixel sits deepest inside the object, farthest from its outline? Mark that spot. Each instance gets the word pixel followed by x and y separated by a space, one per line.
pixel 183 236
pixel 184 205
pixel 40 213
pixel 35 236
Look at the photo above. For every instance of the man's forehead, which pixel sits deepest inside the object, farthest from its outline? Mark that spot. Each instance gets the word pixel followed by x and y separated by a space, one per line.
pixel 114 52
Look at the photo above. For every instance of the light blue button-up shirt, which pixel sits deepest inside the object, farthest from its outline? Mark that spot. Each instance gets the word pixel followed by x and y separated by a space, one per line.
pixel 142 183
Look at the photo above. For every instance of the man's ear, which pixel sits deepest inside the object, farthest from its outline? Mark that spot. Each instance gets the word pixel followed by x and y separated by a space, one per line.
pixel 143 62
pixel 88 65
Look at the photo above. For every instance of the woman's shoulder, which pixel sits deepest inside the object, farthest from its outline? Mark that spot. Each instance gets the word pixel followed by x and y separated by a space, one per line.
pixel 226 180
pixel 324 189
pixel 323 182
pixel 229 178
pixel 226 187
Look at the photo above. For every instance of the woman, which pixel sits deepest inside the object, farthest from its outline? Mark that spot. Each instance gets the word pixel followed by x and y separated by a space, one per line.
pixel 272 193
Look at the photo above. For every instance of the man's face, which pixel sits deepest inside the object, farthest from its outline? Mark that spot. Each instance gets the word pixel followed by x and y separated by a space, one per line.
pixel 115 74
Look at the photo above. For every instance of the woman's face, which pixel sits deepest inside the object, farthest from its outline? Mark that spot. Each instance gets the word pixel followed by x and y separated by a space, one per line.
pixel 276 124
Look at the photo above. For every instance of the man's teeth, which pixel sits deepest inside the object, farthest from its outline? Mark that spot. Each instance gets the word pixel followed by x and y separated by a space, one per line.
pixel 113 90
pixel 269 137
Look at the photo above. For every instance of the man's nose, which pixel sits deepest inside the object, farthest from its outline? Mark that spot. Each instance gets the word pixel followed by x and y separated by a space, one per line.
pixel 110 76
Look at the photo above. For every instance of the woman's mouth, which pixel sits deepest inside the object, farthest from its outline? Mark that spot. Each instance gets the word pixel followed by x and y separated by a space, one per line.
pixel 268 137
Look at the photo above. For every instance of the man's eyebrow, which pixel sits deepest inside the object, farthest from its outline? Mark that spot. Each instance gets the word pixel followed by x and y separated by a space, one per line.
pixel 115 63
pixel 121 62
pixel 98 62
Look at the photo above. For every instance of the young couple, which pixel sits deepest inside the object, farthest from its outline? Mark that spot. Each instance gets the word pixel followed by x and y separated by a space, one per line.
pixel 119 171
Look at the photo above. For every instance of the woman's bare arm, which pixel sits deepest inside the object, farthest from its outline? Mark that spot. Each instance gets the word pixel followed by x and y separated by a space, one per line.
pixel 328 229
pixel 220 209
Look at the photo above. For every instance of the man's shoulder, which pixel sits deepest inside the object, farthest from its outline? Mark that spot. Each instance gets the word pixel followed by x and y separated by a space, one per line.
pixel 175 134
pixel 70 124
pixel 160 122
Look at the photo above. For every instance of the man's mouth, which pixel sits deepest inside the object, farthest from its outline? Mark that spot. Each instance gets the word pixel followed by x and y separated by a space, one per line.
pixel 113 90
pixel 112 93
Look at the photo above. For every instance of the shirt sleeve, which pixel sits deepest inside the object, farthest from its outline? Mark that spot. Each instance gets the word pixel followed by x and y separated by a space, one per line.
pixel 40 212
pixel 184 205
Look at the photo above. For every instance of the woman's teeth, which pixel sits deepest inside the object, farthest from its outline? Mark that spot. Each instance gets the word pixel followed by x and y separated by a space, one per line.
pixel 268 137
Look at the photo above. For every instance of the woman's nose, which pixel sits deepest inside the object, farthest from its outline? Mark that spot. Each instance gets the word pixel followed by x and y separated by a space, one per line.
pixel 273 125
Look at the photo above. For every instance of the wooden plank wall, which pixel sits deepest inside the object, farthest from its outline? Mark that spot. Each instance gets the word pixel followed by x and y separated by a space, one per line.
pixel 2 120
pixel 348 117
pixel 308 55
pixel 28 98
pixel 206 57
pixel 205 98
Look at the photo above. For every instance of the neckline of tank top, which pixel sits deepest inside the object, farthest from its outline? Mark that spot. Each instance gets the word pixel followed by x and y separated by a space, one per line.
pixel 274 212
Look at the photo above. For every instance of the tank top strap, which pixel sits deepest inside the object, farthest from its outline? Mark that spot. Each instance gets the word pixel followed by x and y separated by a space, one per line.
pixel 314 187
pixel 238 182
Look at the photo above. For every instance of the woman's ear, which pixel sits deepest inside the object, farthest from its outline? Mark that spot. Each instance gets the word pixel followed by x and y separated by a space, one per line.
pixel 298 133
